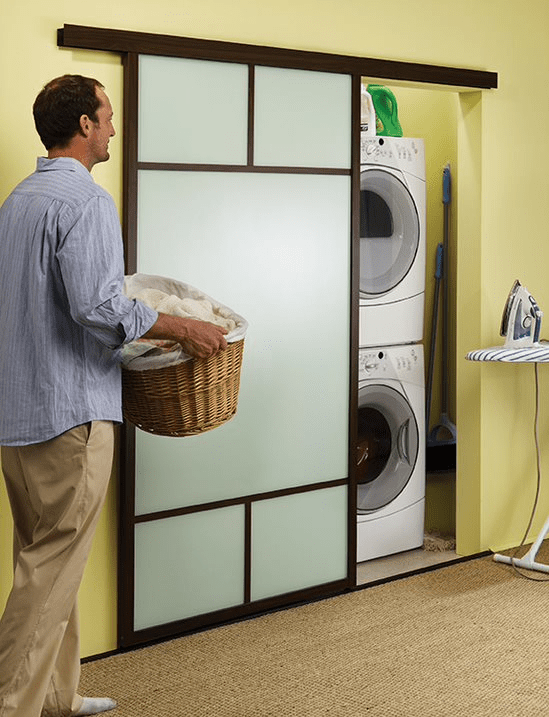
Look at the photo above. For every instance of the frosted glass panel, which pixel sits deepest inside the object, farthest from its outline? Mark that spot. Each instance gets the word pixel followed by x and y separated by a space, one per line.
pixel 302 118
pixel 276 249
pixel 299 541
pixel 188 565
pixel 192 111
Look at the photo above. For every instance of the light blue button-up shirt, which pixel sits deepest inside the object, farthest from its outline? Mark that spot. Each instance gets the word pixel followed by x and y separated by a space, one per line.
pixel 62 311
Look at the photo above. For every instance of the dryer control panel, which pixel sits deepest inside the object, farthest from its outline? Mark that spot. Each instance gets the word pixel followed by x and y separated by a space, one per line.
pixel 404 153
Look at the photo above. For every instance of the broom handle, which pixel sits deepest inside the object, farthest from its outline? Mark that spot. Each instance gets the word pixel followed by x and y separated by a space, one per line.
pixel 429 387
pixel 446 198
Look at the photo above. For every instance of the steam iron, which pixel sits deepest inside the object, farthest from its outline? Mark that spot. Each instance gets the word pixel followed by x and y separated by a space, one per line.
pixel 521 320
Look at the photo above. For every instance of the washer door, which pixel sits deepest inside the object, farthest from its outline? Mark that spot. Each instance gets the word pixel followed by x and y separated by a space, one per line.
pixel 389 231
pixel 388 446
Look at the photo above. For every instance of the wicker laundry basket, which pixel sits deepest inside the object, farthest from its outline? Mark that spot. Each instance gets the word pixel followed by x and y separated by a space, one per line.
pixel 186 399
pixel 192 396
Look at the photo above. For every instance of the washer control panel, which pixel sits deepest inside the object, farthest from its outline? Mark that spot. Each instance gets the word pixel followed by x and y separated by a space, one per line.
pixel 390 362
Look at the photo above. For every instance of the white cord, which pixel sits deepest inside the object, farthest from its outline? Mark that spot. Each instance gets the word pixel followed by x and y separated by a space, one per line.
pixel 538 487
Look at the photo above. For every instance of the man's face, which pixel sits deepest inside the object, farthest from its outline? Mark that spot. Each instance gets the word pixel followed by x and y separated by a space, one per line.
pixel 102 130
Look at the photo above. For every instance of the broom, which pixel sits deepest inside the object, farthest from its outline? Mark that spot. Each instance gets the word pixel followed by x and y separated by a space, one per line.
pixel 441 439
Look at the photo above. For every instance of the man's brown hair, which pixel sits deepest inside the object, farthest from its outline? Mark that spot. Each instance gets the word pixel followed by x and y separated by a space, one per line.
pixel 59 106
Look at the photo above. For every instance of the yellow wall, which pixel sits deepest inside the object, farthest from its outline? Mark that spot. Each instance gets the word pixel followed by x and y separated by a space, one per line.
pixel 501 227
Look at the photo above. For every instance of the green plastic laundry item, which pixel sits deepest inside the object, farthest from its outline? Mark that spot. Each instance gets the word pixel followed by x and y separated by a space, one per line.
pixel 385 105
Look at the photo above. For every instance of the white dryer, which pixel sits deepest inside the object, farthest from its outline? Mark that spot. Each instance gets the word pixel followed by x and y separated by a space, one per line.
pixel 392 240
pixel 390 451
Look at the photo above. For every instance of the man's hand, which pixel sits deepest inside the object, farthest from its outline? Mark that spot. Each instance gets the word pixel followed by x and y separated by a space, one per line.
pixel 197 338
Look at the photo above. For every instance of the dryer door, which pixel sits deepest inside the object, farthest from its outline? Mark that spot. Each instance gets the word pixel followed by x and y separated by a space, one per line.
pixel 388 446
pixel 389 231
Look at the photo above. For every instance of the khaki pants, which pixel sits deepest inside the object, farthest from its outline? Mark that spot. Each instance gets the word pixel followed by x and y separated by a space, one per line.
pixel 56 490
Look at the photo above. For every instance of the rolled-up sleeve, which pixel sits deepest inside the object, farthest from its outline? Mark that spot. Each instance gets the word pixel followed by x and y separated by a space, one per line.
pixel 91 262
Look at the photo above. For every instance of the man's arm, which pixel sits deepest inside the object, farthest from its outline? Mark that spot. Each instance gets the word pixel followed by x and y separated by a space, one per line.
pixel 91 262
pixel 197 338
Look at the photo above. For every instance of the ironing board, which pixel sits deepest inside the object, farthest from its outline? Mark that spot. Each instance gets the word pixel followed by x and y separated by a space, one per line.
pixel 530 354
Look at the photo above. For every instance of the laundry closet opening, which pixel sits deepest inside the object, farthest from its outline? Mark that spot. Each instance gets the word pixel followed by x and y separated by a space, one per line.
pixel 445 120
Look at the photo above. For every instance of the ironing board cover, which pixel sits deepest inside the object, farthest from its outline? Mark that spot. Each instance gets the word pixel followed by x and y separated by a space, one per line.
pixel 530 354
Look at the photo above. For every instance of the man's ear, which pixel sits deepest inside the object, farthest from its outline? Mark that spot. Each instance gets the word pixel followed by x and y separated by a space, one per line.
pixel 85 125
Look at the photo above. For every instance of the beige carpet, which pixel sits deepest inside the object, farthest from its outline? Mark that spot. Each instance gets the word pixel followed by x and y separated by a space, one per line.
pixel 469 640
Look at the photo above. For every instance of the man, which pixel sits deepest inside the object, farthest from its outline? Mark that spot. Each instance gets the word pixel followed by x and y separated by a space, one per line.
pixel 62 318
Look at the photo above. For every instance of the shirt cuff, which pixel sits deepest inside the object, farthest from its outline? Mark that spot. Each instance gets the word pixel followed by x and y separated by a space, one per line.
pixel 138 321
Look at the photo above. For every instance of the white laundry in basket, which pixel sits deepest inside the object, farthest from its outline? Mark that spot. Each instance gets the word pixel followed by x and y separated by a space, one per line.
pixel 176 298
pixel 188 307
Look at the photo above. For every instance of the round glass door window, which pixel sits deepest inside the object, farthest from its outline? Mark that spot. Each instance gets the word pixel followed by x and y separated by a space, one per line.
pixel 387 446
pixel 389 232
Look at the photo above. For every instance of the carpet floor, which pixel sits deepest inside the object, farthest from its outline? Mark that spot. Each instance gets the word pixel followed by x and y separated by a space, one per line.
pixel 467 640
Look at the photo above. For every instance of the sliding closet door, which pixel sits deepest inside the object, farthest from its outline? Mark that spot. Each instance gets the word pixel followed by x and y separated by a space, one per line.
pixel 243 177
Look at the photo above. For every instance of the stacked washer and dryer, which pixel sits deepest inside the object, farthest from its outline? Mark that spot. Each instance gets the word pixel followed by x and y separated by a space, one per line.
pixel 391 396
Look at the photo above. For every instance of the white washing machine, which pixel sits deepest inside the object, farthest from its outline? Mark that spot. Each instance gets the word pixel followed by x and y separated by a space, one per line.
pixel 392 240
pixel 390 451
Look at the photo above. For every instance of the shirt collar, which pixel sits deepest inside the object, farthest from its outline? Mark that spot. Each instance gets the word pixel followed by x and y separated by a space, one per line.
pixel 69 164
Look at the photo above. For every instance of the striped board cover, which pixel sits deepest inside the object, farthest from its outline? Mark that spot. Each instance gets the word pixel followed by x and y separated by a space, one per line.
pixel 537 353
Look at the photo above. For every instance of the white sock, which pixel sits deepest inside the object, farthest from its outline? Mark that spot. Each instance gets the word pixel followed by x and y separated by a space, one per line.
pixel 95 705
